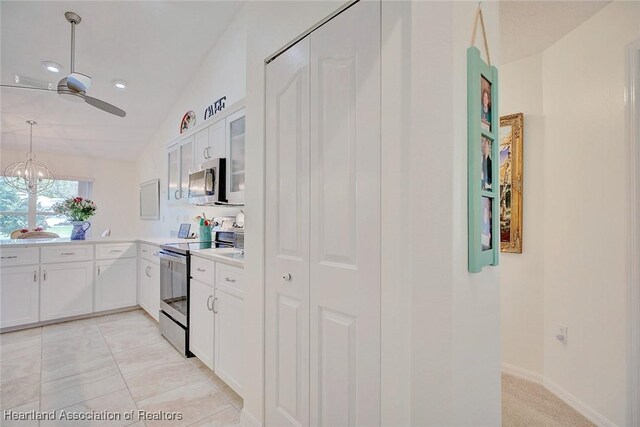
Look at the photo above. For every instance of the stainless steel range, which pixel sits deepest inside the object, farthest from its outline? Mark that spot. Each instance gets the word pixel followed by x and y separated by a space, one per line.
pixel 175 274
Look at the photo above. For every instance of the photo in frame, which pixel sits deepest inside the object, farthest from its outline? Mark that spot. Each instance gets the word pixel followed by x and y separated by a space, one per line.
pixel 483 162
pixel 511 173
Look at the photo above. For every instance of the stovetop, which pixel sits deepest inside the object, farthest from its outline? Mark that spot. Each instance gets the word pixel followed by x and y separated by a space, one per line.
pixel 185 248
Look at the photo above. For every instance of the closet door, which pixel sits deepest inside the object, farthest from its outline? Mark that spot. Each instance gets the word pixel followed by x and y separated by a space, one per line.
pixel 345 219
pixel 287 239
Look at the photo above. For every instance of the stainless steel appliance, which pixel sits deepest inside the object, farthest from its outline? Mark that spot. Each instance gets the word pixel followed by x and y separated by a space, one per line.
pixel 174 297
pixel 207 183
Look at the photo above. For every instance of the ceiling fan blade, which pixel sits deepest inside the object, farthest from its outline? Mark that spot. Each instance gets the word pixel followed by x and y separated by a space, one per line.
pixel 28 87
pixel 28 81
pixel 105 106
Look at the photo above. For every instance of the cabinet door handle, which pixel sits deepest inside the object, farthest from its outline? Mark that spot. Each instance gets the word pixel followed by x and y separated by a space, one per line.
pixel 214 305
pixel 287 277
pixel 206 153
pixel 115 251
pixel 98 270
pixel 175 194
pixel 146 271
pixel 10 257
pixel 44 276
pixel 210 303
pixel 202 270
pixel 230 280
pixel 67 253
pixel 35 276
pixel 144 251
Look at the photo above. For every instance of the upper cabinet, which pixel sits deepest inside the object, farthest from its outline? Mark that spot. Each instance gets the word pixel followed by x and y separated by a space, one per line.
pixel 180 161
pixel 222 138
pixel 211 143
pixel 235 156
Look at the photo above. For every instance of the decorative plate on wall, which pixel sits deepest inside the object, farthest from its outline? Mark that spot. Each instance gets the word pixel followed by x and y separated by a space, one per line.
pixel 188 121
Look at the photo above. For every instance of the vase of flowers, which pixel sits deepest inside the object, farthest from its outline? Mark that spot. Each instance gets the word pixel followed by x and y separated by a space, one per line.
pixel 77 210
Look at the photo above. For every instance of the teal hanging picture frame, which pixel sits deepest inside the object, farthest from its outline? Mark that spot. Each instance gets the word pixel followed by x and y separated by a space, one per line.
pixel 483 129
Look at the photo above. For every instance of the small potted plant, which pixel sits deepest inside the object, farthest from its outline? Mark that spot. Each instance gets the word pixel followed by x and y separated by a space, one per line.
pixel 77 210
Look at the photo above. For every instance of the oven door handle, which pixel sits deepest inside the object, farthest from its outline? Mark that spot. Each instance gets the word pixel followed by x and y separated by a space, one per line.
pixel 171 257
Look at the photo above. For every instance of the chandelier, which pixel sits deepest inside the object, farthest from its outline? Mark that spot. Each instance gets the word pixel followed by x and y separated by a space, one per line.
pixel 29 176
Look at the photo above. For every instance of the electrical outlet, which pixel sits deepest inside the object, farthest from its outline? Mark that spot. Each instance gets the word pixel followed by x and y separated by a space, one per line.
pixel 561 334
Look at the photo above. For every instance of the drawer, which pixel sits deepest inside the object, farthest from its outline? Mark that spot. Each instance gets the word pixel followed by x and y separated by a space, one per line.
pixel 149 252
pixel 203 270
pixel 228 276
pixel 69 253
pixel 19 256
pixel 115 250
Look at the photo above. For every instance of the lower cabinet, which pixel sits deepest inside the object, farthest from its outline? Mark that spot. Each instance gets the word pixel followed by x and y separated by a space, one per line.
pixel 19 295
pixel 115 285
pixel 149 287
pixel 66 289
pixel 228 337
pixel 201 320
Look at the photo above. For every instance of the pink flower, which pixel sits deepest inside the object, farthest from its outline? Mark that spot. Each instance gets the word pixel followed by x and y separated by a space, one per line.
pixel 24 230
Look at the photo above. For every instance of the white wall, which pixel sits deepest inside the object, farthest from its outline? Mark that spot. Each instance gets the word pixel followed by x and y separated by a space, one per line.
pixel 521 275
pixel 222 73
pixel 114 189
pixel 585 209
pixel 575 214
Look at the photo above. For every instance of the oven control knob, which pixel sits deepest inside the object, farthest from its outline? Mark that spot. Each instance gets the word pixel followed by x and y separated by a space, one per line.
pixel 287 277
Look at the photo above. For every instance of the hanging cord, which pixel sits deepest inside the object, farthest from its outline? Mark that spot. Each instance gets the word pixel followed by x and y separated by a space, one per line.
pixel 480 18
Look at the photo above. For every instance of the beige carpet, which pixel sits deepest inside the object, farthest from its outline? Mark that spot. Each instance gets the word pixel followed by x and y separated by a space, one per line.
pixel 526 404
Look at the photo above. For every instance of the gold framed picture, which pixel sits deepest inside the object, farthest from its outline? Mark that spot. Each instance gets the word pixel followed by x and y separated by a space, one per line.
pixel 511 139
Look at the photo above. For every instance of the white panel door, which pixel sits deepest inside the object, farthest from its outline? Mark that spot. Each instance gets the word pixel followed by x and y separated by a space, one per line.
pixel 345 219
pixel 229 361
pixel 217 140
pixel 201 321
pixel 66 290
pixel 143 284
pixel 19 295
pixel 201 144
pixel 116 284
pixel 287 239
pixel 154 291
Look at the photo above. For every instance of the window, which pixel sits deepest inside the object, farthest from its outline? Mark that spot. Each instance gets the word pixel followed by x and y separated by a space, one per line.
pixel 19 210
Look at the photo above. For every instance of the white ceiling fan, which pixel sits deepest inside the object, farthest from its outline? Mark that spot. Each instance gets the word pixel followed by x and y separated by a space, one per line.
pixel 74 87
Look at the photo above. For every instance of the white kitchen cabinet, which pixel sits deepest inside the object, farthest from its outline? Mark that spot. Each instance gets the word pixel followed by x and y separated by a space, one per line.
pixel 210 143
pixel 201 321
pixel 235 134
pixel 115 284
pixel 19 256
pixel 149 287
pixel 229 355
pixel 180 158
pixel 19 295
pixel 66 289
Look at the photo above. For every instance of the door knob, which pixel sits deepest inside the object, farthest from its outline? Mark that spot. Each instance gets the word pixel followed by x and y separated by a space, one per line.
pixel 287 277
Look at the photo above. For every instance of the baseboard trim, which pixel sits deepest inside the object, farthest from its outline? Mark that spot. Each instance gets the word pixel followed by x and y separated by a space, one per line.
pixel 525 374
pixel 587 411
pixel 248 420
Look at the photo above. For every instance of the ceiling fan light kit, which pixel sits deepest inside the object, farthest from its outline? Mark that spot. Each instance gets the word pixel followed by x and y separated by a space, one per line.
pixel 29 176
pixel 74 87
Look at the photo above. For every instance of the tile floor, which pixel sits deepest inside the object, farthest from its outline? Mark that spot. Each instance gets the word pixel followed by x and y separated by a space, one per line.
pixel 117 363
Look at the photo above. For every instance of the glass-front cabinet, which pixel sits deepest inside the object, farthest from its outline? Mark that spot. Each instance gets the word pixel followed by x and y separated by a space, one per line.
pixel 180 160
pixel 235 156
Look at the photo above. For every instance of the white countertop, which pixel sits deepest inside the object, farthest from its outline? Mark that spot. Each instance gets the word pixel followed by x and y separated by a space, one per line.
pixel 228 256
pixel 225 255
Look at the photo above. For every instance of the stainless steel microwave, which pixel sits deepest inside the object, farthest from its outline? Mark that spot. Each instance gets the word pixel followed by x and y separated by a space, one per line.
pixel 206 183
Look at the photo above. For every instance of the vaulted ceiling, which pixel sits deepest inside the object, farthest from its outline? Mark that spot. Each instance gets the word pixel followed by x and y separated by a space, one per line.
pixel 155 46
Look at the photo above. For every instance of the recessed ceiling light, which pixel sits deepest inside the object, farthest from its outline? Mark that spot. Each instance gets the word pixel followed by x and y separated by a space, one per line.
pixel 52 67
pixel 120 84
